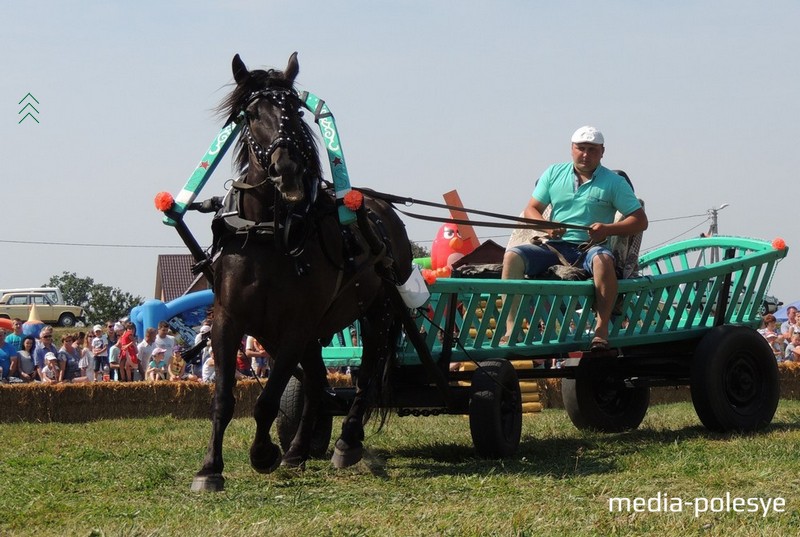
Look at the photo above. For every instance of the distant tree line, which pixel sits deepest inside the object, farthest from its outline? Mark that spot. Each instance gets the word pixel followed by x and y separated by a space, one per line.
pixel 100 302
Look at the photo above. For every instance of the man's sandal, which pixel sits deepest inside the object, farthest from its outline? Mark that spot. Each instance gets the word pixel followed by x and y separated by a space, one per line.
pixel 599 344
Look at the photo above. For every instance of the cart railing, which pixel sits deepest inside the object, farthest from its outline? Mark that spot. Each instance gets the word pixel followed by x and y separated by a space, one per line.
pixel 679 295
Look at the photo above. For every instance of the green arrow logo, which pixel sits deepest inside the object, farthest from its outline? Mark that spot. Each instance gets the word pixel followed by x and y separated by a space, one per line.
pixel 33 110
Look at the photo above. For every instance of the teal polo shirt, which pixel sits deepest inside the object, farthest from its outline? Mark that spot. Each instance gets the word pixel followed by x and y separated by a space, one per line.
pixel 596 200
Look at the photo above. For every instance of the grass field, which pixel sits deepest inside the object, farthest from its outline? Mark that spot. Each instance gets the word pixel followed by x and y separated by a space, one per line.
pixel 132 477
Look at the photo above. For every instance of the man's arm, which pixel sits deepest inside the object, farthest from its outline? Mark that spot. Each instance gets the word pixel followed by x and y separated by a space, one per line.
pixel 534 210
pixel 631 224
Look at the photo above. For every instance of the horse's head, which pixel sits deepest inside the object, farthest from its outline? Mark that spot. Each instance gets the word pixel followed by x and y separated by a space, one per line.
pixel 277 145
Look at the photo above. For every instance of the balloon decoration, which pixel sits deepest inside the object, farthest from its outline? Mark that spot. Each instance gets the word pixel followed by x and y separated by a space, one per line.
pixel 448 247
pixel 33 325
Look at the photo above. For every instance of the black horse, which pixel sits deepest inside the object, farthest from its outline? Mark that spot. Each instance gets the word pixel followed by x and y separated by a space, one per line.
pixel 291 275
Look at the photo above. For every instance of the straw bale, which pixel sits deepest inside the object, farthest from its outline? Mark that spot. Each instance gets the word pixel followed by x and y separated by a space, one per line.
pixel 78 403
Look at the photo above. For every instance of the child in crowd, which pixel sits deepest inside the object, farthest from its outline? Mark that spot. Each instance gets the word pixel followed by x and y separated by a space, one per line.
pixel 258 356
pixel 209 369
pixel 99 351
pixel 86 362
pixel 50 371
pixel 793 349
pixel 243 364
pixel 177 367
pixel 129 361
pixel 157 368
pixel 770 333
pixel 113 361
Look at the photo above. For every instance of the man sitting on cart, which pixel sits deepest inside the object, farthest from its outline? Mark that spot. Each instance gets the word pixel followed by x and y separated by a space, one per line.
pixel 584 193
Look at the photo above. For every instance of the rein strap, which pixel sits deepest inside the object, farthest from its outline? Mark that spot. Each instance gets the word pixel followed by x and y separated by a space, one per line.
pixel 520 222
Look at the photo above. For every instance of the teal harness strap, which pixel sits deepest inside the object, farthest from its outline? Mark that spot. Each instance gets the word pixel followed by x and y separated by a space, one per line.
pixel 327 124
pixel 202 173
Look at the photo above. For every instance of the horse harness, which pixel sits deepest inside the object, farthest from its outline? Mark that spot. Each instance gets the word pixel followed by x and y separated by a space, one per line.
pixel 229 222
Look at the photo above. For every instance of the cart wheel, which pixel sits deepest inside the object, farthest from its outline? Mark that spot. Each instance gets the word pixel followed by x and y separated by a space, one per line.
pixel 604 404
pixel 735 384
pixel 495 410
pixel 288 420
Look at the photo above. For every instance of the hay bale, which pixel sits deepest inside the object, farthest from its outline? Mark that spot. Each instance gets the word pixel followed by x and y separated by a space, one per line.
pixel 78 403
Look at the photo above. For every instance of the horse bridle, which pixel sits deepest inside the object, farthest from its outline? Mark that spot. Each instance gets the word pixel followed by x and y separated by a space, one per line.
pixel 287 137
pixel 287 134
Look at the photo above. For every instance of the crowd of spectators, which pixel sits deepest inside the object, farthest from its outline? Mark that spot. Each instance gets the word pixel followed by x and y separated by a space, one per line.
pixel 113 353
pixel 784 340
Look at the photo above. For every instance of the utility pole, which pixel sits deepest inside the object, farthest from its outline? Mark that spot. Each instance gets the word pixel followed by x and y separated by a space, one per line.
pixel 714 231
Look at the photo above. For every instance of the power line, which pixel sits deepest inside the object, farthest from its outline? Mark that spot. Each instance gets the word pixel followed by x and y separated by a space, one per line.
pixel 162 247
pixel 675 237
pixel 89 245
pixel 678 218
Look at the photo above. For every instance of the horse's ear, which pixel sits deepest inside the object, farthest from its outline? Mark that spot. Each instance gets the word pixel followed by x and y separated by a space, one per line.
pixel 240 72
pixel 292 68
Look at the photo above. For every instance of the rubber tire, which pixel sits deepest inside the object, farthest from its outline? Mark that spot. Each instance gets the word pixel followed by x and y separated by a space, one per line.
pixel 495 410
pixel 288 420
pixel 734 380
pixel 604 404
pixel 67 320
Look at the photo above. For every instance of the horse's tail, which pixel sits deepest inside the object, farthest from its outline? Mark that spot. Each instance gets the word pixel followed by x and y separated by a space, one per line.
pixel 380 385
pixel 383 388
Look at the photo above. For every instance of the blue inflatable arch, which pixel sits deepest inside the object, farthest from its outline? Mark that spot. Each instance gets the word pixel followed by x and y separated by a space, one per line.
pixel 183 313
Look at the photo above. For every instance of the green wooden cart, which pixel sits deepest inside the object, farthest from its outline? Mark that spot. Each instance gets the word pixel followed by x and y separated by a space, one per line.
pixel 689 318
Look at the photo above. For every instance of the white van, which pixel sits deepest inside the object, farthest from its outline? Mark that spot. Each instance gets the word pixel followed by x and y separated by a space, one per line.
pixel 53 293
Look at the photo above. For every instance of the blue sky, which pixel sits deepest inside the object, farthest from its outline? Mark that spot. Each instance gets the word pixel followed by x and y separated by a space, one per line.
pixel 697 100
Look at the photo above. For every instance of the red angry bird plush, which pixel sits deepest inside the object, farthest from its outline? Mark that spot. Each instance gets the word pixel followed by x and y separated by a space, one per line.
pixel 448 246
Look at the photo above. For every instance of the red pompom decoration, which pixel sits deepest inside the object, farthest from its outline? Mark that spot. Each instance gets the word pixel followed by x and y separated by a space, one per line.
pixel 429 276
pixel 353 200
pixel 779 244
pixel 164 201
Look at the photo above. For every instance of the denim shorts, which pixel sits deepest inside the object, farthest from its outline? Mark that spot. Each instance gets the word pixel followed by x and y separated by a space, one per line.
pixel 539 258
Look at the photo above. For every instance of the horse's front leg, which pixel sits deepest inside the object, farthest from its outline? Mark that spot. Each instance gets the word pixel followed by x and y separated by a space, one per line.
pixel 224 346
pixel 314 382
pixel 265 456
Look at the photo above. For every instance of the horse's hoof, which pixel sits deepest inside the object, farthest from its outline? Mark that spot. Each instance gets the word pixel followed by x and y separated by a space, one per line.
pixel 266 459
pixel 293 464
pixel 292 460
pixel 344 455
pixel 208 483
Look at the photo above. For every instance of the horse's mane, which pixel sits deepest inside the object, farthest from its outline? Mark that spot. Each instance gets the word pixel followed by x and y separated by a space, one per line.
pixel 236 101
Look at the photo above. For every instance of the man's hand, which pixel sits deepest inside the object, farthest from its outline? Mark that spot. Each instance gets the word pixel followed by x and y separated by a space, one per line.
pixel 598 232
pixel 557 233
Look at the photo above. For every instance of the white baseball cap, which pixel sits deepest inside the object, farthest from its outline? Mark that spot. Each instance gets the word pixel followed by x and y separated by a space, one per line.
pixel 97 327
pixel 588 135
pixel 50 356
